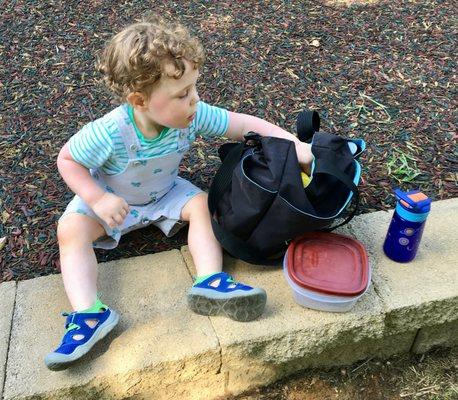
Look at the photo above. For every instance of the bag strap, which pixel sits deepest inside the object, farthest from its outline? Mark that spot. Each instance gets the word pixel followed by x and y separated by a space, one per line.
pixel 330 169
pixel 221 182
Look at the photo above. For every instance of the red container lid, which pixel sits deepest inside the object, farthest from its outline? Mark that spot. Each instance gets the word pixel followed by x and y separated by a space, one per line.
pixel 328 263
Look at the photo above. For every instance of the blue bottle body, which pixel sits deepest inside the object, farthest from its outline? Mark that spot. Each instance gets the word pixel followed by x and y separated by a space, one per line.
pixel 406 227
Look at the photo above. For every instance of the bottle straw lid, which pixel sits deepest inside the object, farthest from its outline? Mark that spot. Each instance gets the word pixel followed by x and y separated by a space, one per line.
pixel 414 201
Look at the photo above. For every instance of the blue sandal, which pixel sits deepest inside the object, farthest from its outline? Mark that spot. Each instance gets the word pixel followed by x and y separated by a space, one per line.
pixel 219 294
pixel 79 337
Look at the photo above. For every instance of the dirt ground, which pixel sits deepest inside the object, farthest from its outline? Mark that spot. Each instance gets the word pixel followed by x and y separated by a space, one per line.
pixel 431 376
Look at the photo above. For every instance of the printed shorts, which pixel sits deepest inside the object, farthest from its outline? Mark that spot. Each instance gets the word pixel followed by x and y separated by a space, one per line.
pixel 164 213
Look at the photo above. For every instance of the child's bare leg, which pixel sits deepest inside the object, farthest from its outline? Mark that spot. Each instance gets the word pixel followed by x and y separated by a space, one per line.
pixel 75 234
pixel 93 320
pixel 205 249
pixel 219 295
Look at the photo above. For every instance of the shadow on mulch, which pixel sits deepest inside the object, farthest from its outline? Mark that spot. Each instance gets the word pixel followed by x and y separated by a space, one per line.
pixel 382 71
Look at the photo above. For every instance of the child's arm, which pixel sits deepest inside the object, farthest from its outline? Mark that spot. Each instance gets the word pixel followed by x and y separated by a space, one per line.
pixel 240 124
pixel 78 178
pixel 111 208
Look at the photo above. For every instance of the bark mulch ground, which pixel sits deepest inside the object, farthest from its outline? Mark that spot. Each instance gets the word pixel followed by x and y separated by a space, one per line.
pixel 383 71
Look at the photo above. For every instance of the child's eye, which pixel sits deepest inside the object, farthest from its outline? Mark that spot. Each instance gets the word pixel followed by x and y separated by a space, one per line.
pixel 185 95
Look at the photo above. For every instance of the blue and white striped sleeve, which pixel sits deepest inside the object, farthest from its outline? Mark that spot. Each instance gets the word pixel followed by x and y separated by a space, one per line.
pixel 211 120
pixel 92 146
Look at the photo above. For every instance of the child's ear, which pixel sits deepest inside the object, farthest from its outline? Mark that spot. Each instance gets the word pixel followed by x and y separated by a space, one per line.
pixel 137 100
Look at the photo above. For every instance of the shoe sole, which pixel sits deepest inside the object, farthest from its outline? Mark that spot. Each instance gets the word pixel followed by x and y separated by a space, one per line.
pixel 239 308
pixel 58 361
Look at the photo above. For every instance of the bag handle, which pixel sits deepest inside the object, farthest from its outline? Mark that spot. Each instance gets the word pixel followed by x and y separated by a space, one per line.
pixel 221 182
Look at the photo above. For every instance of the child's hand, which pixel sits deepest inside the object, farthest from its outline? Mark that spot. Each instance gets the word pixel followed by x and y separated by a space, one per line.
pixel 111 209
pixel 304 156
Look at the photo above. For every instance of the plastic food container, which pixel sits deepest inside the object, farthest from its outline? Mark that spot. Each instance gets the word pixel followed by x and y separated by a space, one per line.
pixel 326 271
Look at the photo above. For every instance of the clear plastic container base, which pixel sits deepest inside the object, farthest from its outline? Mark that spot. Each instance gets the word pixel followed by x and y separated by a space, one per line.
pixel 321 301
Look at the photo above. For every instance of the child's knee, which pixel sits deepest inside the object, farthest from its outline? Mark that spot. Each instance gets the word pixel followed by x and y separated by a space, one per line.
pixel 197 205
pixel 75 227
pixel 201 200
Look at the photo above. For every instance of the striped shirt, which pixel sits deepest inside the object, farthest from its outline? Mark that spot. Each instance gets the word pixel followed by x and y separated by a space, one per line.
pixel 99 143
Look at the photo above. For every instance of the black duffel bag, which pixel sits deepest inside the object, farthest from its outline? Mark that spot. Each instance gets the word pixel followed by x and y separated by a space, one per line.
pixel 257 200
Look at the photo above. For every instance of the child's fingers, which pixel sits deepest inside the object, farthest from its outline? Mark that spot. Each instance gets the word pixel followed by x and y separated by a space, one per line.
pixel 118 219
pixel 125 206
pixel 111 223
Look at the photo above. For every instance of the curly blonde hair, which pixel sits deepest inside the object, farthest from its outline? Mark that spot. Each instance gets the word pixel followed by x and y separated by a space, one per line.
pixel 134 59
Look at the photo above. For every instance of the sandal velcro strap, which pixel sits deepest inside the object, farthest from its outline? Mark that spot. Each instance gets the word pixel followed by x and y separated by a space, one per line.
pixel 78 318
pixel 226 283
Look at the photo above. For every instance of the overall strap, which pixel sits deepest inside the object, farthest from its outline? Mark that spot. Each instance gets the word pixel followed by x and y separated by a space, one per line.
pixel 127 131
pixel 183 137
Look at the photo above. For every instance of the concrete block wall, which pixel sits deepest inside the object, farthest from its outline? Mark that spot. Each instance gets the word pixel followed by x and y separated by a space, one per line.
pixel 162 350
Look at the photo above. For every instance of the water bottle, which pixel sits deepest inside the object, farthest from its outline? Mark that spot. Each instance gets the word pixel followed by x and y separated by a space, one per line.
pixel 406 227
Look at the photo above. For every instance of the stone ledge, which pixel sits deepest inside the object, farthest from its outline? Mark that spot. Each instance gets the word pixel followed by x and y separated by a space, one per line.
pixel 289 338
pixel 7 296
pixel 405 299
pixel 161 350
pixel 423 292
pixel 158 347
pixel 443 335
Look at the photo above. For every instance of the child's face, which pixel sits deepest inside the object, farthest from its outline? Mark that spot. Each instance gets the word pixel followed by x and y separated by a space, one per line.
pixel 173 102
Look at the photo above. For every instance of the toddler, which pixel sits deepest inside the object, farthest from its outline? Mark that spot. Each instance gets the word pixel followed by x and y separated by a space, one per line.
pixel 123 169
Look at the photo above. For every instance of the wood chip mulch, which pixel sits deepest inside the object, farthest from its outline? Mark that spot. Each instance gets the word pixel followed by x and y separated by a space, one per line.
pixel 384 72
